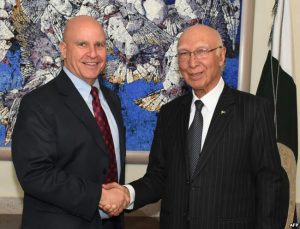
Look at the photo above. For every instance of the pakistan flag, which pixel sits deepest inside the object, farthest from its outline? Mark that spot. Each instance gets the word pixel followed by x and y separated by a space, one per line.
pixel 278 85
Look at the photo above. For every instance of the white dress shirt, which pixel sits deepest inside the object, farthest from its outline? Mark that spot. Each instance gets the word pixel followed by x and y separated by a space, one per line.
pixel 210 101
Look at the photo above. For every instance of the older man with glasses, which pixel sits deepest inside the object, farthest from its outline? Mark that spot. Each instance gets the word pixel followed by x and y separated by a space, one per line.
pixel 214 161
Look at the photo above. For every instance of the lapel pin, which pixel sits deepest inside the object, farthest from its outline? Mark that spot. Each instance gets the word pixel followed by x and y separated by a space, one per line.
pixel 223 112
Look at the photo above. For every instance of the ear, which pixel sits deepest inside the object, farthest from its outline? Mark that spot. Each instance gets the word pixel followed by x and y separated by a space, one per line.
pixel 222 56
pixel 63 49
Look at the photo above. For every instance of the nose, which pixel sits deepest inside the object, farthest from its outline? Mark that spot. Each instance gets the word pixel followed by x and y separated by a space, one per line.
pixel 193 61
pixel 92 51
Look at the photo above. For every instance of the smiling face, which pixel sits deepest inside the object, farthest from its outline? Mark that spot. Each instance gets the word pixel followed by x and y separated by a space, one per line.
pixel 83 48
pixel 202 73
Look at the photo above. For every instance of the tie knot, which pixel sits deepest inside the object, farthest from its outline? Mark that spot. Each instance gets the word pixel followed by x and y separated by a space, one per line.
pixel 199 104
pixel 94 92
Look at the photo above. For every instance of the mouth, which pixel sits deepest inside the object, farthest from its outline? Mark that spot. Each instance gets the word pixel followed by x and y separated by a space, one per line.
pixel 196 75
pixel 92 64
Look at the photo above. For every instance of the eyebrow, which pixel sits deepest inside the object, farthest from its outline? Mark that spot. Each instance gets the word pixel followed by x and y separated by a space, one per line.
pixel 185 49
pixel 102 42
pixel 85 41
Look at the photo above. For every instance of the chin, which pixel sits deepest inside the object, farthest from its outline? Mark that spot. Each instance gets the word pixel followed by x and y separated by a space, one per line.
pixel 197 86
pixel 92 75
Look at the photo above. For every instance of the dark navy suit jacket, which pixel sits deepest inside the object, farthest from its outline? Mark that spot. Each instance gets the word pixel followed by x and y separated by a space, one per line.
pixel 60 158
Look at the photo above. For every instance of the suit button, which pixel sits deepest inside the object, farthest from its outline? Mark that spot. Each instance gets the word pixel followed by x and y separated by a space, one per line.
pixel 187 182
pixel 104 171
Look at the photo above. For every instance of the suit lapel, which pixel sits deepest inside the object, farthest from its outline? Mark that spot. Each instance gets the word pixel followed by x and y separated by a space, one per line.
pixel 78 107
pixel 221 117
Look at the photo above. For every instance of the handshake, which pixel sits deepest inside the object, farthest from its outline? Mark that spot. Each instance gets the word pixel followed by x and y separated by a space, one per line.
pixel 114 199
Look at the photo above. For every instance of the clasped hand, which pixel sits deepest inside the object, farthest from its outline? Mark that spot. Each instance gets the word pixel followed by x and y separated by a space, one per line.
pixel 114 199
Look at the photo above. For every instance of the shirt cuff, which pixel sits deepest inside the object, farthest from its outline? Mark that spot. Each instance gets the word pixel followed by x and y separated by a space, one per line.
pixel 132 196
pixel 103 214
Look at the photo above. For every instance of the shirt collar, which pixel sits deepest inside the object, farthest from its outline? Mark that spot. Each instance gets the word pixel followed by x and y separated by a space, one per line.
pixel 210 99
pixel 83 87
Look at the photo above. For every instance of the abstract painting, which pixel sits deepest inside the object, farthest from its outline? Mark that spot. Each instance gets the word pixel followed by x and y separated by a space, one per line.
pixel 141 45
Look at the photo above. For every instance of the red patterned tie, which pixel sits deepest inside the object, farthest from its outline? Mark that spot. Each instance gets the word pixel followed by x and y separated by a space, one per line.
pixel 102 122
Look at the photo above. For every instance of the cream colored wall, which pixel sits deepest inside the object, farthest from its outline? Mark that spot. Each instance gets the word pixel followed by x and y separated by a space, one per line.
pixel 9 186
pixel 296 28
pixel 262 28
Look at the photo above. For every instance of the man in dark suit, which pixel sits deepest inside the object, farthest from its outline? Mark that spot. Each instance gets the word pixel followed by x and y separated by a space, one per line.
pixel 234 179
pixel 61 153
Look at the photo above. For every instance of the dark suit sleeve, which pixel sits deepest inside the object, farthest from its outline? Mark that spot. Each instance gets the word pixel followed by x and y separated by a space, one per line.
pixel 272 185
pixel 150 187
pixel 36 160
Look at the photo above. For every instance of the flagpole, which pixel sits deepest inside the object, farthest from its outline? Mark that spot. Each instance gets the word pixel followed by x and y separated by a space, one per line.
pixel 275 84
pixel 246 41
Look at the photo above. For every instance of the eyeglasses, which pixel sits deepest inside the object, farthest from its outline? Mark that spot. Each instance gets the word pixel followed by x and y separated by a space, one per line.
pixel 198 53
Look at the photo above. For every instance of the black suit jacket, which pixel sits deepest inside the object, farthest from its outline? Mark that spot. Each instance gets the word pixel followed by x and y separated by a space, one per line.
pixel 60 158
pixel 238 181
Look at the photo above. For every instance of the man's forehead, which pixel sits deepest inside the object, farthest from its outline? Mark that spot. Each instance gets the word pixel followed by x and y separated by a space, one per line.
pixel 196 40
pixel 82 23
pixel 198 36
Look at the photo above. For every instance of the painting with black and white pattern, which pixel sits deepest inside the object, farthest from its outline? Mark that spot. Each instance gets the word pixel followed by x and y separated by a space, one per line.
pixel 141 43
